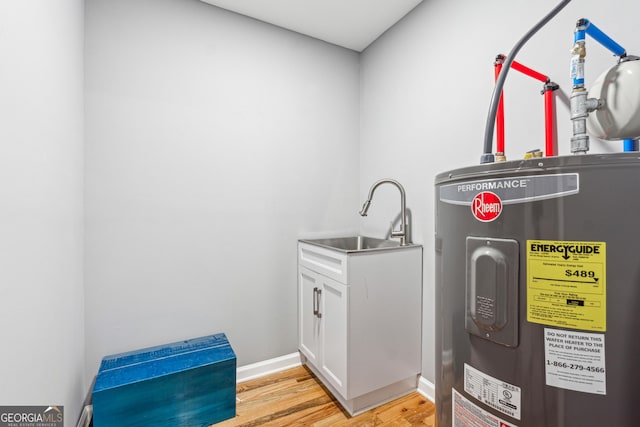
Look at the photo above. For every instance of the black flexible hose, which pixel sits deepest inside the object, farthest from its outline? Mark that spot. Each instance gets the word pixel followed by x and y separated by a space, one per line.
pixel 487 156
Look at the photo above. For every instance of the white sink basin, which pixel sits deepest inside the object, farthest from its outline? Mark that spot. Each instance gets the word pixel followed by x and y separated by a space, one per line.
pixel 356 243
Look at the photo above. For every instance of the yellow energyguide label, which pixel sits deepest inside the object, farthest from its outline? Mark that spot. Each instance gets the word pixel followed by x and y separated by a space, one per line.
pixel 567 284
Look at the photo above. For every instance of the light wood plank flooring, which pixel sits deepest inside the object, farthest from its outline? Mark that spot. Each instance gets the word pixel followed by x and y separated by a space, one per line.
pixel 295 397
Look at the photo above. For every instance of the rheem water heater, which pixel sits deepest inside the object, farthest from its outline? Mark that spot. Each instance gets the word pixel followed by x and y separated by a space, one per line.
pixel 537 281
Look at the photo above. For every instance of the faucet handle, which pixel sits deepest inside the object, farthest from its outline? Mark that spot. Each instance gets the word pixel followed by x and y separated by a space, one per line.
pixel 398 233
pixel 402 234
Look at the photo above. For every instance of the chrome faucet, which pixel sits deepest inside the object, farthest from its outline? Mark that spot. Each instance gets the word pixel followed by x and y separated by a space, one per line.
pixel 402 233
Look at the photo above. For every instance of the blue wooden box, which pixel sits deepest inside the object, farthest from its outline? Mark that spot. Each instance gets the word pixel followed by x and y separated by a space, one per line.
pixel 187 383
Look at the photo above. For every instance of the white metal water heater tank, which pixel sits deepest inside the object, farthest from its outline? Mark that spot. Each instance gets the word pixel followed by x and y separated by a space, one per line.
pixel 619 87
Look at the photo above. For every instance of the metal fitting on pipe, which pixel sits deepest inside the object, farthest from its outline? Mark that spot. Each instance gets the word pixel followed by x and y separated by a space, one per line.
pixel 581 106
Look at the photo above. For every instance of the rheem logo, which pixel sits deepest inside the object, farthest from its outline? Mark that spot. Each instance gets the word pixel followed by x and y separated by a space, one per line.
pixel 486 206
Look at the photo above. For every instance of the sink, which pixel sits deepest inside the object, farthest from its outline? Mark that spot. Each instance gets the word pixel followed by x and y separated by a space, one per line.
pixel 356 243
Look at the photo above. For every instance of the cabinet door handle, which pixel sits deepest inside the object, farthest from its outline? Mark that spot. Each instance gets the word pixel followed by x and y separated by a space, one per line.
pixel 318 301
pixel 315 301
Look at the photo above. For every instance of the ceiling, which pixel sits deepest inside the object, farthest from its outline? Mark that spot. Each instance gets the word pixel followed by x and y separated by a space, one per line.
pixel 353 24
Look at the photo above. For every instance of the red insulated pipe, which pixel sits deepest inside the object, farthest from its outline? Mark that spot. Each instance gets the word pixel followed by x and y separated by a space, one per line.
pixel 499 114
pixel 548 123
pixel 529 72
pixel 548 105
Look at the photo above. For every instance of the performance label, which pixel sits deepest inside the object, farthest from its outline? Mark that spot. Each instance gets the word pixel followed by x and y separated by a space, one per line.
pixel 566 284
pixel 512 190
pixel 575 360
pixel 494 393
pixel 466 414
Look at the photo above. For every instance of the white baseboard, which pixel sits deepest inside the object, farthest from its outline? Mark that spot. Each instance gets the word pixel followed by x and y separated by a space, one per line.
pixel 427 389
pixel 266 367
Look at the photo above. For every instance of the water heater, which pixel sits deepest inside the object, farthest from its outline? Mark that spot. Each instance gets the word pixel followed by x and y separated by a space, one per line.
pixel 537 282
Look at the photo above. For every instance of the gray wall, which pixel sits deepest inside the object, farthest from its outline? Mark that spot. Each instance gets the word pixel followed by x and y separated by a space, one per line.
pixel 213 142
pixel 425 91
pixel 41 294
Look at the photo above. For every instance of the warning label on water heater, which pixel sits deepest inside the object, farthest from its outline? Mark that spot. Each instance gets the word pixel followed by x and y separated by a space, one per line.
pixel 497 394
pixel 566 284
pixel 466 414
pixel 575 360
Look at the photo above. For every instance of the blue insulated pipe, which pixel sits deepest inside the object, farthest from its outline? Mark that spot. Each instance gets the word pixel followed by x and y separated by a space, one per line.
pixel 578 53
pixel 602 38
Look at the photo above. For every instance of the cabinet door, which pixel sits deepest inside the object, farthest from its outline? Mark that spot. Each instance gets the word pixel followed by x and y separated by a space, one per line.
pixel 333 347
pixel 308 323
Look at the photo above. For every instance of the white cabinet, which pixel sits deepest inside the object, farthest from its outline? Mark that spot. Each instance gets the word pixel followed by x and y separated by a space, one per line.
pixel 309 284
pixel 323 325
pixel 360 321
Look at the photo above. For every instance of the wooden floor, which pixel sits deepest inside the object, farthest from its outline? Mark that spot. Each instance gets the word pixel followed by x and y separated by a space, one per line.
pixel 296 398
